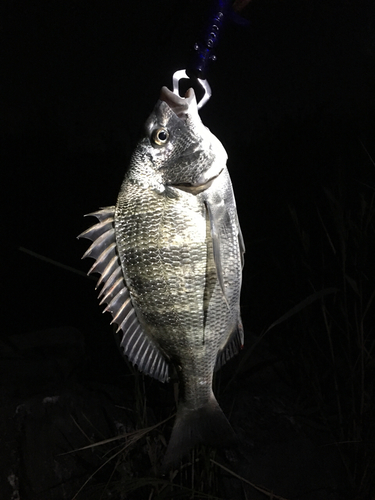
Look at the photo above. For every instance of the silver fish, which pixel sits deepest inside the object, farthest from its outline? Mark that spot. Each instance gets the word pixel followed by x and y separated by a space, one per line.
pixel 170 255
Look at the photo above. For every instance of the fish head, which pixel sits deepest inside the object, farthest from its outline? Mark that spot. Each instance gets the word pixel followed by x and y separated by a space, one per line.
pixel 182 152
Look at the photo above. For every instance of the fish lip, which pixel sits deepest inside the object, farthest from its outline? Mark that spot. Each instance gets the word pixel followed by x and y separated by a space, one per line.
pixel 196 187
pixel 181 106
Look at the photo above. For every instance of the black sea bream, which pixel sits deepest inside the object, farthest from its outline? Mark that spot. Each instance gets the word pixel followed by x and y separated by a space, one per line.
pixel 170 255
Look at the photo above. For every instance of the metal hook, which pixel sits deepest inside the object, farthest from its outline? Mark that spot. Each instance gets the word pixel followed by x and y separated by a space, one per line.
pixel 181 74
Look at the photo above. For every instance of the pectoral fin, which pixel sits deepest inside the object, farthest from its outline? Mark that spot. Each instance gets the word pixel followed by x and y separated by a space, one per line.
pixel 214 225
pixel 241 242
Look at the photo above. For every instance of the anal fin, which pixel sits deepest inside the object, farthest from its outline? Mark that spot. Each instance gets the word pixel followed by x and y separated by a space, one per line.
pixel 232 347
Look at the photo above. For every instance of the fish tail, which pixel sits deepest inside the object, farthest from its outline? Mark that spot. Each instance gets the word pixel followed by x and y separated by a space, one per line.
pixel 205 425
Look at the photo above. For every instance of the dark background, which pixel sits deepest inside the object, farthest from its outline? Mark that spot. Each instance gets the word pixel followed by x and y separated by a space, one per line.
pixel 293 103
pixel 293 98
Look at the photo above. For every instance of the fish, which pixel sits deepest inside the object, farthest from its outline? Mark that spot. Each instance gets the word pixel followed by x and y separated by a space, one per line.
pixel 170 255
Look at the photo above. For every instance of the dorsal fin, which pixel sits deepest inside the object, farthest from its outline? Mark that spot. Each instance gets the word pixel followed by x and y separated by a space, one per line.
pixel 140 349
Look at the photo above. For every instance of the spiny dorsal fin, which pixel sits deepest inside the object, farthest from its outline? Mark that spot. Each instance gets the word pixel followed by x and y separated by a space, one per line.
pixel 135 343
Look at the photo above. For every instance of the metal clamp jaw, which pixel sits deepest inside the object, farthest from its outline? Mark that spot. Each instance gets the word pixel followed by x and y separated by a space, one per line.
pixel 204 51
pixel 180 75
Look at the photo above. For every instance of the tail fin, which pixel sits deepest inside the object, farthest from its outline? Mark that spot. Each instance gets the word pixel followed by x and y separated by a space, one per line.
pixel 205 425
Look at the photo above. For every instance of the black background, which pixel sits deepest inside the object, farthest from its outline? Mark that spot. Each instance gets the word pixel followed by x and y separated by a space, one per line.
pixel 292 101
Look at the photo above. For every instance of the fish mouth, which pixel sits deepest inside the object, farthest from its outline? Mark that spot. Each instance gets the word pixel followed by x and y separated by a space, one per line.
pixel 196 188
pixel 181 106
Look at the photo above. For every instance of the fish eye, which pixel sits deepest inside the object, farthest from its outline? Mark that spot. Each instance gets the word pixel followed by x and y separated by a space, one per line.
pixel 160 136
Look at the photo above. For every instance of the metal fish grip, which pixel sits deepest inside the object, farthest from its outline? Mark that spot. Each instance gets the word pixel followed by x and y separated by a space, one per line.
pixel 181 75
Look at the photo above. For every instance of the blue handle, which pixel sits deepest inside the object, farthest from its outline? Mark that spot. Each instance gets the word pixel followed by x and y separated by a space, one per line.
pixel 204 49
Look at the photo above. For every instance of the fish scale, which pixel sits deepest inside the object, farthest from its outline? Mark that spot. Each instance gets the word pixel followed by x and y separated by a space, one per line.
pixel 191 231
pixel 170 255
